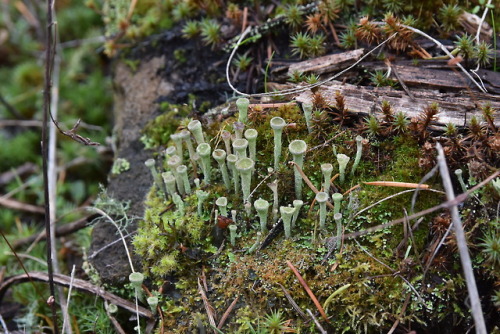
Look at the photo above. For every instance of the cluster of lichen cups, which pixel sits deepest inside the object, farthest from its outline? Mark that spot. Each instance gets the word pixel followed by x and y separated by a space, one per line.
pixel 236 163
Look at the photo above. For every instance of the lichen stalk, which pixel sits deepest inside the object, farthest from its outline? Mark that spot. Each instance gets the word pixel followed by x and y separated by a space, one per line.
pixel 231 161
pixel 326 170
pixel 204 151
pixel 201 195
pixel 287 215
pixel 245 168
pixel 359 151
pixel 226 137
pixel 240 147
pixel 277 124
pixel 220 156
pixel 297 204
pixel 251 136
pixel 458 173
pixel 256 244
pixel 343 160
pixel 337 202
pixel 338 219
pixel 151 164
pixel 321 198
pixel 169 151
pixel 232 234
pixel 197 131
pixel 262 207
pixel 242 103
pixel 238 128
pixel 177 139
pixel 136 280
pixel 274 188
pixel 169 180
pixel 173 162
pixel 179 204
pixel 307 108
pixel 183 174
pixel 186 137
pixel 298 149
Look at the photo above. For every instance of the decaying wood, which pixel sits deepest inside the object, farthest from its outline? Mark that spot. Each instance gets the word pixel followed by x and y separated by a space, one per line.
pixel 325 64
pixel 79 284
pixel 455 108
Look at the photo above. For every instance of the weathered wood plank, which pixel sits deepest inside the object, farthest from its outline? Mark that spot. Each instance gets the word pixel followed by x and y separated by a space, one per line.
pixel 456 108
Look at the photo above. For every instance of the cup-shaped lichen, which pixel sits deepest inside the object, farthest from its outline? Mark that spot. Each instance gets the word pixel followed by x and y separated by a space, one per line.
pixel 183 174
pixel 274 188
pixel 240 147
pixel 186 137
pixel 262 207
pixel 298 149
pixel 197 131
pixel 242 104
pixel 173 162
pixel 169 180
pixel 297 204
pixel 238 128
pixel 338 219
pixel 256 244
pixel 136 280
pixel 153 303
pixel 203 151
pixel 201 195
pixel 458 173
pixel 231 162
pixel 177 139
pixel 251 136
pixel 169 151
pixel 220 156
pixel 277 124
pixel 245 168
pixel 307 107
pixel 221 202
pixel 327 170
pixel 343 160
pixel 287 215
pixel 359 151
pixel 321 198
pixel 337 202
pixel 151 164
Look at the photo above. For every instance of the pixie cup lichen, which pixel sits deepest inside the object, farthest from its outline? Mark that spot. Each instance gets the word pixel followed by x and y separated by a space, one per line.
pixel 337 201
pixel 359 151
pixel 251 136
pixel 226 137
pixel 297 204
pixel 326 170
pixel 277 124
pixel 343 160
pixel 151 164
pixel 177 139
pixel 245 168
pixel 204 151
pixel 232 234
pixel 183 174
pixel 307 107
pixel 262 207
pixel 298 149
pixel 242 103
pixel 197 131
pixel 220 156
pixel 322 198
pixel 231 162
pixel 240 147
pixel 287 215
pixel 221 202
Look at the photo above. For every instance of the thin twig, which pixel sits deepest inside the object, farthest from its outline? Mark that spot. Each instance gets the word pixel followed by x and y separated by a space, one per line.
pixel 208 308
pixel 463 250
pixel 4 325
pixel 77 284
pixel 69 296
pixel 308 182
pixel 403 309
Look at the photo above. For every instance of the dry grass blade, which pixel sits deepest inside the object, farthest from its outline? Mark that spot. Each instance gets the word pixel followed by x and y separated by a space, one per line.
pixel 403 309
pixel 316 322
pixel 308 290
pixel 397 184
pixel 227 313
pixel 208 308
pixel 475 302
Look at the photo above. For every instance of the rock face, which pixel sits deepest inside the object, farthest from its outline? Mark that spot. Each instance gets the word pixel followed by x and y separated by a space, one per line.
pixel 161 75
